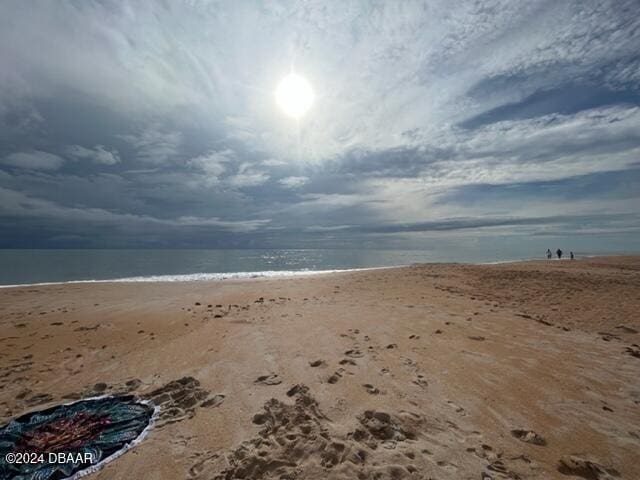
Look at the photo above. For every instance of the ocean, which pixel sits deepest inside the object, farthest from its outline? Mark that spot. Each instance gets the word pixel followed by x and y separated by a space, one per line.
pixel 20 267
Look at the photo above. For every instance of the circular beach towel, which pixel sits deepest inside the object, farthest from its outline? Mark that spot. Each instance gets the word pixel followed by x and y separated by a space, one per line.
pixel 69 441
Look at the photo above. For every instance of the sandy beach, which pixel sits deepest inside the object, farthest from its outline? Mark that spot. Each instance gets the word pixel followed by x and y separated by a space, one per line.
pixel 439 371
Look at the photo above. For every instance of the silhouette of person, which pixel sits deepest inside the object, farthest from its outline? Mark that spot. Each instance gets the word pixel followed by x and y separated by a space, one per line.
pixel 559 253
pixel 548 254
pixel 572 257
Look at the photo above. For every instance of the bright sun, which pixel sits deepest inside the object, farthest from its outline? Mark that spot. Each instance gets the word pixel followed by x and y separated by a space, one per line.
pixel 294 95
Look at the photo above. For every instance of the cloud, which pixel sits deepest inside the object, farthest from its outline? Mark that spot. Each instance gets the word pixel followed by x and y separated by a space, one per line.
pixel 293 182
pixel 273 162
pixel 248 175
pixel 547 147
pixel 248 179
pixel 489 222
pixel 99 154
pixel 33 160
pixel 17 204
pixel 154 146
pixel 328 228
pixel 213 163
pixel 233 226
pixel 222 167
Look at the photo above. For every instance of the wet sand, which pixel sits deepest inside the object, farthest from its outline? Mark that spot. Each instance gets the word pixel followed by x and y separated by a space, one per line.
pixel 521 370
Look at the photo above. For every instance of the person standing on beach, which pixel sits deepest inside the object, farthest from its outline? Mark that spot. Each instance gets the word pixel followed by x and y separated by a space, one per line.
pixel 571 254
pixel 548 254
pixel 559 253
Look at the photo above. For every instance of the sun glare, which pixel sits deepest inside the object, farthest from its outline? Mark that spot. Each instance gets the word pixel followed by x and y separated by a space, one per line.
pixel 294 95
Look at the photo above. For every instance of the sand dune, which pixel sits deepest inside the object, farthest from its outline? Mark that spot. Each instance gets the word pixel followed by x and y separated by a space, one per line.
pixel 523 370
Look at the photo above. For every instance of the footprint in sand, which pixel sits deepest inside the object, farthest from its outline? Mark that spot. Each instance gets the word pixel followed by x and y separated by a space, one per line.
pixel 317 363
pixel 580 467
pixel 347 361
pixel 100 387
pixel 607 337
pixel 270 379
pixel 626 329
pixel 498 466
pixel 371 389
pixel 421 381
pixel 477 338
pixel 457 408
pixel 206 462
pixel 354 353
pixel 529 436
pixel 633 350
pixel 178 400
pixel 132 385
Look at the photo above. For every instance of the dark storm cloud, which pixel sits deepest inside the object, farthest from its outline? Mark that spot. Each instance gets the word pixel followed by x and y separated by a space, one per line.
pixel 153 123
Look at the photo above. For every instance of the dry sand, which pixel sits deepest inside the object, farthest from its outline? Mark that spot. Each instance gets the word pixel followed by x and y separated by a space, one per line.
pixel 523 370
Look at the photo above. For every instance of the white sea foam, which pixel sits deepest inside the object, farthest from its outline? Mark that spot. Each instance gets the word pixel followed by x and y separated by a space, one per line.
pixel 500 262
pixel 202 277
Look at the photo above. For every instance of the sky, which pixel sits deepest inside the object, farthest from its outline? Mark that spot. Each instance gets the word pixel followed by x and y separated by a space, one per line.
pixel 438 124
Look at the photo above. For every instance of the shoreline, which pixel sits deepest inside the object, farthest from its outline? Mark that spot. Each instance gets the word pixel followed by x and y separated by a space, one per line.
pixel 268 274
